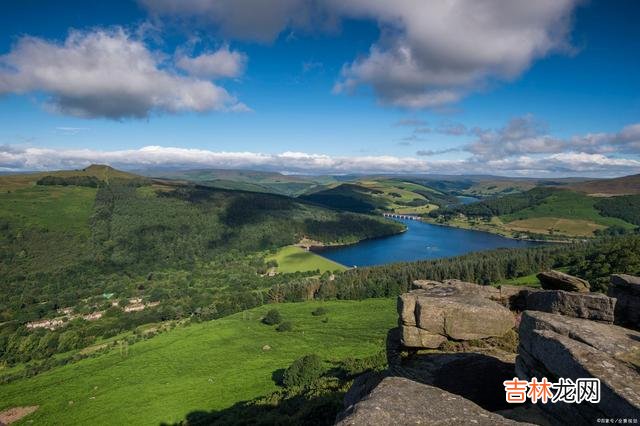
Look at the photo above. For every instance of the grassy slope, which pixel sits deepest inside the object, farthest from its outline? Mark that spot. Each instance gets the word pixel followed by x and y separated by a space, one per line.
pixel 378 195
pixel 12 182
pixel 205 366
pixel 576 208
pixel 295 259
pixel 617 186
pixel 245 180
pixel 567 213
pixel 49 207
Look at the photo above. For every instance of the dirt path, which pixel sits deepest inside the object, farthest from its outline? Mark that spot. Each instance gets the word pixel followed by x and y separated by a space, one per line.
pixel 14 414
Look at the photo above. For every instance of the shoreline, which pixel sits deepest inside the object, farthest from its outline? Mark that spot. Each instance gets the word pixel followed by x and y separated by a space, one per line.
pixel 319 246
pixel 533 240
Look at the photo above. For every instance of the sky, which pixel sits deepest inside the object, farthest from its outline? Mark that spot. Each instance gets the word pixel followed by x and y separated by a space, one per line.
pixel 519 88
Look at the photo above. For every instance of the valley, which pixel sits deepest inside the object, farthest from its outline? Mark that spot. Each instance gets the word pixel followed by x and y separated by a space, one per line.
pixel 109 274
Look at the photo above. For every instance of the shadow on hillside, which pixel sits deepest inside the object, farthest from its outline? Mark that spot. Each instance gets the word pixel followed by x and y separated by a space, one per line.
pixel 294 410
pixel 474 376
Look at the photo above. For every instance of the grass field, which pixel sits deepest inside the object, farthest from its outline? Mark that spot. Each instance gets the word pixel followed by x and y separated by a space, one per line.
pixel 295 259
pixel 49 207
pixel 206 366
pixel 23 180
pixel 554 225
pixel 562 214
pixel 527 280
pixel 567 205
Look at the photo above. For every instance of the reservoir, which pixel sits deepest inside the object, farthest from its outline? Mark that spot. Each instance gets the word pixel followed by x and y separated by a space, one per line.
pixel 421 241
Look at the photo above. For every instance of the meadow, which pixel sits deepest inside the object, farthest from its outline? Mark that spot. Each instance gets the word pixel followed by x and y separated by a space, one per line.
pixel 295 259
pixel 50 208
pixel 204 366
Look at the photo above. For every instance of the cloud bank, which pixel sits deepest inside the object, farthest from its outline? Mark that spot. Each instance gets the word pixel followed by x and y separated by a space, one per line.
pixel 112 74
pixel 430 53
pixel 16 158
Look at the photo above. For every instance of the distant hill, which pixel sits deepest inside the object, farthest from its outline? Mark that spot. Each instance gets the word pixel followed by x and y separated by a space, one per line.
pixel 626 185
pixel 377 195
pixel 543 212
pixel 247 180
pixel 98 171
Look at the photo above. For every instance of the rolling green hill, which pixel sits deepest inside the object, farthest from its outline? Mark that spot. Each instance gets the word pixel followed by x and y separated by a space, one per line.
pixel 625 185
pixel 540 212
pixel 246 180
pixel 202 367
pixel 376 195
pixel 101 172
pixel 179 250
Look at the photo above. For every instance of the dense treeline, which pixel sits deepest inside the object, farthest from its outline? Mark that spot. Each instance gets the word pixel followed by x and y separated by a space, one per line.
pixel 89 181
pixel 498 206
pixel 626 207
pixel 594 260
pixel 197 251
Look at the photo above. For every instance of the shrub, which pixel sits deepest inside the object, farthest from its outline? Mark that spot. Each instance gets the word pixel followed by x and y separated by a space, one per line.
pixel 285 326
pixel 303 371
pixel 320 311
pixel 273 317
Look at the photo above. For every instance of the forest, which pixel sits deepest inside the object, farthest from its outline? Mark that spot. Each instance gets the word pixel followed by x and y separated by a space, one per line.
pixel 183 251
pixel 626 207
pixel 190 252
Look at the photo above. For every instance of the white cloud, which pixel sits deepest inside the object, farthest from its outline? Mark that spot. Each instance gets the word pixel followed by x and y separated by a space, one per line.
pixel 430 53
pixel 254 20
pixel 521 135
pixel 570 163
pixel 221 63
pixel 526 136
pixel 106 73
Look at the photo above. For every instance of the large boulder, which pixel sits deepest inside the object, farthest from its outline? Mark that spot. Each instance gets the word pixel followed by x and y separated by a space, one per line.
pixel 593 306
pixel 414 337
pixel 463 316
pixel 400 401
pixel 556 280
pixel 626 289
pixel 513 296
pixel 453 309
pixel 556 346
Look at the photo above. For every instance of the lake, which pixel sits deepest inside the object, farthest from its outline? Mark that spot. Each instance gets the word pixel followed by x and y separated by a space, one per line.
pixel 421 241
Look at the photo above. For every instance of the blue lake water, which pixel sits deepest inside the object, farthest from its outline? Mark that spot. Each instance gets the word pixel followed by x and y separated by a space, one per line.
pixel 421 241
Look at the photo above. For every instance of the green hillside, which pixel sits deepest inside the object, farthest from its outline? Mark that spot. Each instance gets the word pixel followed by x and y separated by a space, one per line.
pixel 206 366
pixel 542 212
pixel 625 185
pixel 70 252
pixel 377 195
pixel 246 180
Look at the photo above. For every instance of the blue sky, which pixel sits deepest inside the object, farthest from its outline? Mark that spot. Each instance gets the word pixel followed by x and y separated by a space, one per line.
pixel 545 89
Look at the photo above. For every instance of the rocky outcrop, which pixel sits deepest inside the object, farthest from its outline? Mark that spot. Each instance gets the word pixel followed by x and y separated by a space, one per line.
pixel 555 346
pixel 400 401
pixel 593 306
pixel 626 289
pixel 463 317
pixel 451 310
pixel 414 337
pixel 556 280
